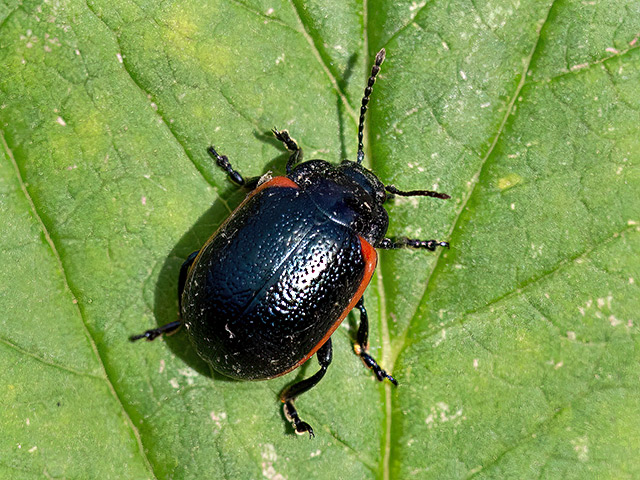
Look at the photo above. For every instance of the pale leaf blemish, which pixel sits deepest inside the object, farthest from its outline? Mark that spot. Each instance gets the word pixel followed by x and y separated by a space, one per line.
pixel 604 301
pixel 509 181
pixel 29 38
pixel 411 111
pixel 218 418
pixel 571 335
pixel 537 250
pixel 33 449
pixel 475 363
pixel 441 338
pixel 581 448
pixel 269 457
pixel 441 413
pixel 316 453
pixel 143 200
pixel 119 57
pixel 189 373
pixel 614 321
pixel 558 365
pixel 174 383
pixel 269 11
pixel 463 75
pixel 61 121
pixel 28 422
pixel 280 59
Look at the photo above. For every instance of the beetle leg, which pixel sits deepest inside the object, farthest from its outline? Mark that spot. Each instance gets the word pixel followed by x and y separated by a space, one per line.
pixel 223 162
pixel 170 327
pixel 154 333
pixel 289 394
pixel 403 242
pixel 415 193
pixel 291 145
pixel 362 346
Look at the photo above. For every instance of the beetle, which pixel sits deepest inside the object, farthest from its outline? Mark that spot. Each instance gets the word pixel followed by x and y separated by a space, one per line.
pixel 267 290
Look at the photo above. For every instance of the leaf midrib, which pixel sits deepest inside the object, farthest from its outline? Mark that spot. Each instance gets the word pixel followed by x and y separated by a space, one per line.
pixel 474 182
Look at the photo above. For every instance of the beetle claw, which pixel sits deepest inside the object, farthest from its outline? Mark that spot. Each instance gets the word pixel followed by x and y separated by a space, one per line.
pixel 304 427
pixel 371 363
pixel 298 425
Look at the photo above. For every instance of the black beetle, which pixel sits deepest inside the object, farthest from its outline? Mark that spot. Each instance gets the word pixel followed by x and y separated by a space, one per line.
pixel 271 285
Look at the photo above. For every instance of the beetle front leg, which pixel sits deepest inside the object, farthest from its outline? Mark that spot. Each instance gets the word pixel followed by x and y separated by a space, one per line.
pixel 416 193
pixel 223 162
pixel 362 346
pixel 289 394
pixel 403 242
pixel 170 327
pixel 291 145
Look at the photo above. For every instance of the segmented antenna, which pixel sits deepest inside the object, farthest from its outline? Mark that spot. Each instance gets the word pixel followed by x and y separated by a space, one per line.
pixel 365 101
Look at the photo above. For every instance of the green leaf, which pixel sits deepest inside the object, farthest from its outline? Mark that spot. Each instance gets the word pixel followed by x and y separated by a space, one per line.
pixel 517 351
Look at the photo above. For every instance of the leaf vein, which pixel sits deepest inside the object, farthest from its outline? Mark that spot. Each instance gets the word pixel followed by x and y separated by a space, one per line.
pixel 582 68
pixel 464 317
pixel 475 179
pixel 323 63
pixel 65 279
pixel 158 112
pixel 49 363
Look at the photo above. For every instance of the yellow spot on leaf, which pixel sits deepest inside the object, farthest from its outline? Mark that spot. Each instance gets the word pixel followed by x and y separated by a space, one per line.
pixel 509 181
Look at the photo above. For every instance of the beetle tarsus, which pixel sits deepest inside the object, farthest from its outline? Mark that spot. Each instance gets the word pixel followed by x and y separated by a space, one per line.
pixel 403 242
pixel 154 333
pixel 291 145
pixel 371 363
pixel 223 162
pixel 298 425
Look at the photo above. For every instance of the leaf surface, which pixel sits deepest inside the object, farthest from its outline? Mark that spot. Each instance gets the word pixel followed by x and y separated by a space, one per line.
pixel 516 350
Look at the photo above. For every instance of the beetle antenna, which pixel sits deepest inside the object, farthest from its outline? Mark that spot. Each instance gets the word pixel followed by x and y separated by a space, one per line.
pixel 365 100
